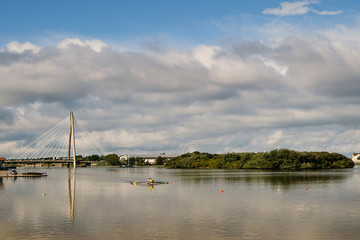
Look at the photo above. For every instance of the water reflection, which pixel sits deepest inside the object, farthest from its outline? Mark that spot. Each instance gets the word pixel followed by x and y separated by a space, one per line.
pixel 72 176
pixel 2 186
pixel 275 179
pixel 190 207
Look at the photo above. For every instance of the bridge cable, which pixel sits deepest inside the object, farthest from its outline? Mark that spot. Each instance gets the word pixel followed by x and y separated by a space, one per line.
pixel 54 142
pixel 86 134
pixel 31 146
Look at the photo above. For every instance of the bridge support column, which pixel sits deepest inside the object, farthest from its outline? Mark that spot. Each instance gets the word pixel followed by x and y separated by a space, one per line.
pixel 72 139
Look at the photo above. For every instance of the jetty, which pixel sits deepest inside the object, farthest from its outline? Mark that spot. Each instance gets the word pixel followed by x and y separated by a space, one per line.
pixel 11 173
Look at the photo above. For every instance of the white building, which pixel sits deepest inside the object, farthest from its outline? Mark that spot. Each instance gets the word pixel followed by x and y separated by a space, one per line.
pixel 150 161
pixel 356 157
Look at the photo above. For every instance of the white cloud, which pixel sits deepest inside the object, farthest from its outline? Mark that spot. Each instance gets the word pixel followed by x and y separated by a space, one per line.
pixel 289 8
pixel 205 54
pixel 326 12
pixel 297 8
pixel 247 96
pixel 281 69
pixel 95 44
pixel 274 139
pixel 16 47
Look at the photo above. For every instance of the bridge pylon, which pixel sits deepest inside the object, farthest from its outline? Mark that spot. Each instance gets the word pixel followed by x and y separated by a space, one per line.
pixel 72 139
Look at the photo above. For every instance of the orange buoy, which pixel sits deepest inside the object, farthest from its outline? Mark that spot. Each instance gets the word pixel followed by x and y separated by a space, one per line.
pixel 222 191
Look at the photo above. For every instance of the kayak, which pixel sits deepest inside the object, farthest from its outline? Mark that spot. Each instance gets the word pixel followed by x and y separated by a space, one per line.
pixel 155 182
pixel 149 183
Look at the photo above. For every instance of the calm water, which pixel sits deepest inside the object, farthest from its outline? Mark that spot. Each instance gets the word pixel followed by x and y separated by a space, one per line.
pixel 253 205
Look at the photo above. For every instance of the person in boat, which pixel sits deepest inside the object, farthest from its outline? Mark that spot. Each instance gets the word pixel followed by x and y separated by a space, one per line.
pixel 150 180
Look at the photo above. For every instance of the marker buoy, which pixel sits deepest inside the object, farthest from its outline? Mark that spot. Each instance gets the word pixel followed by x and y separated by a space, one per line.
pixel 307 189
pixel 222 191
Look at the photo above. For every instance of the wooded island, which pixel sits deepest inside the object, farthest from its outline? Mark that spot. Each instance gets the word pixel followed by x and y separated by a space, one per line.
pixel 275 159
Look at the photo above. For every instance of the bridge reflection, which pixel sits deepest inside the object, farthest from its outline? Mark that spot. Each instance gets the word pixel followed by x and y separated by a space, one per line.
pixel 71 185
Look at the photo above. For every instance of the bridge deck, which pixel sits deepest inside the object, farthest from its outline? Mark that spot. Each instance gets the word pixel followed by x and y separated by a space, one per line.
pixel 33 161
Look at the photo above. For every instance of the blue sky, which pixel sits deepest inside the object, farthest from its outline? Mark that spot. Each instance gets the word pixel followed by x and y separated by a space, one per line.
pixel 154 76
pixel 188 21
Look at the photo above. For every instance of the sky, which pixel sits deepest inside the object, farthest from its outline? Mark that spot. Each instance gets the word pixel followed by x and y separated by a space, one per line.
pixel 159 76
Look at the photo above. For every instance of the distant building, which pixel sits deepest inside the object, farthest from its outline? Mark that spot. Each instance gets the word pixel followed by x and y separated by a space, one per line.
pixel 150 161
pixel 356 157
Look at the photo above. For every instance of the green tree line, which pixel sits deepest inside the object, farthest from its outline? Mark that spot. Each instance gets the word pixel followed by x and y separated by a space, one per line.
pixel 275 159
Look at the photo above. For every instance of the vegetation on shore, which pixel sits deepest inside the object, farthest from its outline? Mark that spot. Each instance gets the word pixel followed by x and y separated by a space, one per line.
pixel 276 159
pixel 114 160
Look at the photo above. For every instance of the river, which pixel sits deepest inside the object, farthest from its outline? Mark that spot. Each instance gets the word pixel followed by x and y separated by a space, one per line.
pixel 101 203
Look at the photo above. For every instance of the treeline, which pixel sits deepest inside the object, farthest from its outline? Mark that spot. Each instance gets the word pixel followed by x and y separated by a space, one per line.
pixel 107 160
pixel 276 159
pixel 114 160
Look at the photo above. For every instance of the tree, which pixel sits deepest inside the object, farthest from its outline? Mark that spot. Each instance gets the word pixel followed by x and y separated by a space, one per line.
pixel 160 160
pixel 112 159
pixel 275 159
pixel 94 158
pixel 139 161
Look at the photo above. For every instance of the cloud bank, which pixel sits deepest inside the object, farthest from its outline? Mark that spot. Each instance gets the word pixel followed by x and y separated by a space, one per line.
pixel 301 94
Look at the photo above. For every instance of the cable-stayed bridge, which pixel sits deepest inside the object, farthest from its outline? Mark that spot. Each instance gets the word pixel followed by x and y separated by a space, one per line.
pixel 57 145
